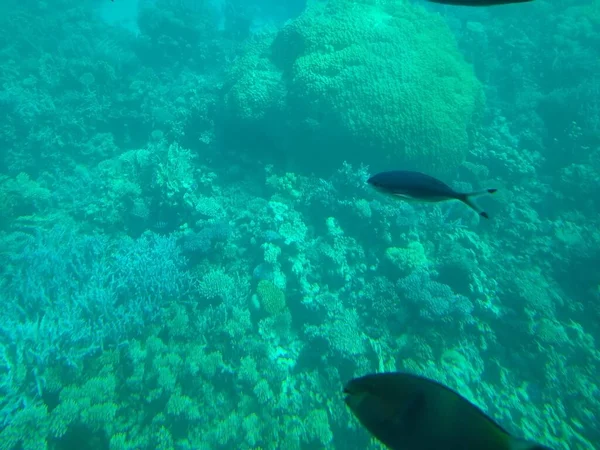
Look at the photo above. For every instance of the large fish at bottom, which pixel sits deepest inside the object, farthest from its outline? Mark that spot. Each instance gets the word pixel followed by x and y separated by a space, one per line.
pixel 408 412
pixel 417 186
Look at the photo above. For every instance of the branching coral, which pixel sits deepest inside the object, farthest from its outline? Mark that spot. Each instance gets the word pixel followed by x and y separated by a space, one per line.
pixel 434 300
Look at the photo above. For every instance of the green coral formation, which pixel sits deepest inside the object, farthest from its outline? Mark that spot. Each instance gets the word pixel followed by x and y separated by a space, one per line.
pixel 390 78
pixel 271 297
pixel 384 83
pixel 408 258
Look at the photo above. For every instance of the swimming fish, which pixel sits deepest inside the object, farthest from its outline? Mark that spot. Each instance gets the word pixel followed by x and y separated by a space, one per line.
pixel 478 2
pixel 420 187
pixel 409 412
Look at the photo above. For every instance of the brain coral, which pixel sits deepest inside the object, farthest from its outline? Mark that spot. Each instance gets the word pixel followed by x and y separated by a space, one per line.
pixel 384 85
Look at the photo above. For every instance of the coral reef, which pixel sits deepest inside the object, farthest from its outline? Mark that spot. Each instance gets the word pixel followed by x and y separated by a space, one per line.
pixel 190 257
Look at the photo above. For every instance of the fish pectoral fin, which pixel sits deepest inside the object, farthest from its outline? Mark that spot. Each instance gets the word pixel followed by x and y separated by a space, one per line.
pixel 406 198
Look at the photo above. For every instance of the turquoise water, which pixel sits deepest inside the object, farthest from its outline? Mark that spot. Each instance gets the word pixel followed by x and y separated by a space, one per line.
pixel 191 257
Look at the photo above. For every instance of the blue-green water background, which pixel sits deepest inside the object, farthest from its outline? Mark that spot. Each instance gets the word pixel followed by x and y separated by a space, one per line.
pixel 190 256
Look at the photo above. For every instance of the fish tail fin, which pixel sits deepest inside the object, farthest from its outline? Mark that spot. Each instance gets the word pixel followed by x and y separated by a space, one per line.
pixel 467 200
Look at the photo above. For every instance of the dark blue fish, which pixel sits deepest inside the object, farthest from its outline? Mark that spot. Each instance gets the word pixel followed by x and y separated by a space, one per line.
pixel 424 188
pixel 409 412
pixel 477 2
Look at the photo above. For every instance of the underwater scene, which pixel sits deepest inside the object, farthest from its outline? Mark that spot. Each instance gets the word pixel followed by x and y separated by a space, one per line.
pixel 299 224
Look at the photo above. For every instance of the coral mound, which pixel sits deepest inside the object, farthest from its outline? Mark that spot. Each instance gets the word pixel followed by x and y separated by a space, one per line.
pixel 381 85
